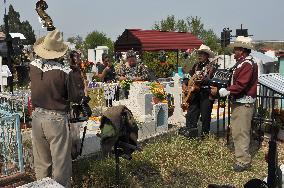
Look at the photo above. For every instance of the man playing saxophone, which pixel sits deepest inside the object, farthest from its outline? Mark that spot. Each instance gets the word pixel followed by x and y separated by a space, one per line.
pixel 197 94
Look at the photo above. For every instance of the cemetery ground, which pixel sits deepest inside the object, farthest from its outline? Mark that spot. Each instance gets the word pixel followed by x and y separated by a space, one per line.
pixel 168 160
pixel 172 160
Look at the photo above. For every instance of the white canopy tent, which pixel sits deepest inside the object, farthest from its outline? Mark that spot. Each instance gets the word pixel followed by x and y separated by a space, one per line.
pixel 260 58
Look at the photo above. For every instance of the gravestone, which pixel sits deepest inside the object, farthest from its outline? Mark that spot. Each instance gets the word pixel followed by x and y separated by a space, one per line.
pixel 99 51
pixel 160 114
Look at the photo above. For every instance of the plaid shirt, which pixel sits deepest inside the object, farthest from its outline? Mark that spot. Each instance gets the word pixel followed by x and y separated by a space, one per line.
pixel 140 70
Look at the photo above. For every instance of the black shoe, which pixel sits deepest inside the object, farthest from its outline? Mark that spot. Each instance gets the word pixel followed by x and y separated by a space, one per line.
pixel 241 168
pixel 188 132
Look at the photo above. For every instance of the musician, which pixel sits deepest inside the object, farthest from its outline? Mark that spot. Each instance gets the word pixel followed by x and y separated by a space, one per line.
pixel 243 92
pixel 52 89
pixel 199 102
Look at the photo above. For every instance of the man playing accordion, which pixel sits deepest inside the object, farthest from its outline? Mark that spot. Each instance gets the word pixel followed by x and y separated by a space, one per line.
pixel 243 91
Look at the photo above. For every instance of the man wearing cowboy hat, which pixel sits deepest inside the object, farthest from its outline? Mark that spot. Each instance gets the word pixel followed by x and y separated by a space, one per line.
pixel 51 91
pixel 243 92
pixel 199 102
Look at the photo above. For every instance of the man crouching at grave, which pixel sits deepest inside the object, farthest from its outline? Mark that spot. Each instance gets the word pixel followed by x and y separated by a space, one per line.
pixel 51 92
pixel 132 69
pixel 197 97
pixel 243 91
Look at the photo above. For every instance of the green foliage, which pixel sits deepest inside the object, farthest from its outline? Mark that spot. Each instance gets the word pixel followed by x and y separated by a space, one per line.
pixel 209 38
pixel 187 63
pixel 125 84
pixel 16 26
pixel 196 27
pixel 77 40
pixel 160 70
pixel 171 24
pixel 28 32
pixel 190 24
pixel 97 38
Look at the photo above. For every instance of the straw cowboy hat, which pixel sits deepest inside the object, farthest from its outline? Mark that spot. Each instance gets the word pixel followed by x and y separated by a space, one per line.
pixel 51 46
pixel 242 42
pixel 206 49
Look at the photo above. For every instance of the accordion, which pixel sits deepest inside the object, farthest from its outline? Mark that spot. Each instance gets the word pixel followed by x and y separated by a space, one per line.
pixel 221 78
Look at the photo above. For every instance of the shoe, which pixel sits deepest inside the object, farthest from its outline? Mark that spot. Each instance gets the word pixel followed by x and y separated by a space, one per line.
pixel 241 168
pixel 189 132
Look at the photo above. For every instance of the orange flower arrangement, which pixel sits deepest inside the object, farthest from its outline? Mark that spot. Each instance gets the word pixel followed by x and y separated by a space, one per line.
pixel 86 66
pixel 158 91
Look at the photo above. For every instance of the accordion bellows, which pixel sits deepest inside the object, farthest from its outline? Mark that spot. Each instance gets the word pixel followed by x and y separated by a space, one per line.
pixel 221 78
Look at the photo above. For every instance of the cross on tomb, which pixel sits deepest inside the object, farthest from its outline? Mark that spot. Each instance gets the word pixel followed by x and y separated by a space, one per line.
pixel 176 91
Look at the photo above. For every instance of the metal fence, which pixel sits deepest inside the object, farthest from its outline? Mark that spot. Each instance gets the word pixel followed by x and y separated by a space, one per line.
pixel 269 105
pixel 11 149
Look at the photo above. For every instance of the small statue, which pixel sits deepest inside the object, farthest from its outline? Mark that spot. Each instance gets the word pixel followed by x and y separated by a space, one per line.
pixel 41 6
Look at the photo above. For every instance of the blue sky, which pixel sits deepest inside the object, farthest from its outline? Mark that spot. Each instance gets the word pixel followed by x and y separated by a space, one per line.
pixel 263 18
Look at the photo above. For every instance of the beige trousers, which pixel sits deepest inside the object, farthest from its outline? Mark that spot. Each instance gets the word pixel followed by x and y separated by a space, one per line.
pixel 51 146
pixel 241 125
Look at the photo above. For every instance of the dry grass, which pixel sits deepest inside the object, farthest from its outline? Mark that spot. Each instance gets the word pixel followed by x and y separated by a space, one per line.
pixel 172 161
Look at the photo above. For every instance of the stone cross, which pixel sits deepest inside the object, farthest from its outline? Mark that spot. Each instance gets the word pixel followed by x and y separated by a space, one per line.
pixel 176 91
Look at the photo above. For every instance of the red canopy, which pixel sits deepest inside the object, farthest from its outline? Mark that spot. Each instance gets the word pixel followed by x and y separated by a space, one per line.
pixel 153 40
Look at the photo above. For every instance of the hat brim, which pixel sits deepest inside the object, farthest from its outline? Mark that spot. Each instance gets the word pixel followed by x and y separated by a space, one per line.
pixel 47 54
pixel 209 52
pixel 241 45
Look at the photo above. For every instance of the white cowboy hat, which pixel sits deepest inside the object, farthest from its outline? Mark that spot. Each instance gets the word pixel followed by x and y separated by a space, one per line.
pixel 242 42
pixel 206 49
pixel 51 46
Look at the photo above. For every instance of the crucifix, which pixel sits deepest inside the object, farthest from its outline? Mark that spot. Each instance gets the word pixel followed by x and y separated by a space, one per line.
pixel 176 91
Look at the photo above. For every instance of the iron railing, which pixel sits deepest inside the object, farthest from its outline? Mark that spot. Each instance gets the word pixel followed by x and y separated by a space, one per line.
pixel 11 149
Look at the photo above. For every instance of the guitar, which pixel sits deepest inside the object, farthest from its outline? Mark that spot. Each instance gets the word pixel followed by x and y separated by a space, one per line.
pixel 192 86
pixel 194 83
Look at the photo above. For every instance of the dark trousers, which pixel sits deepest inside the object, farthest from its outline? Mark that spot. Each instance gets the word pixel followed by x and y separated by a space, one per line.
pixel 200 104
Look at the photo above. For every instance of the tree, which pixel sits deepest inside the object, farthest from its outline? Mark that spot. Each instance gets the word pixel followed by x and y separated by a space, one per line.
pixel 193 25
pixel 209 38
pixel 27 30
pixel 16 26
pixel 171 24
pixel 97 38
pixel 77 40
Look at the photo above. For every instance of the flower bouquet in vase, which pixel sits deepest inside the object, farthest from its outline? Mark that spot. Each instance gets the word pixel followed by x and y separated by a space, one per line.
pixel 86 67
pixel 125 86
pixel 159 94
